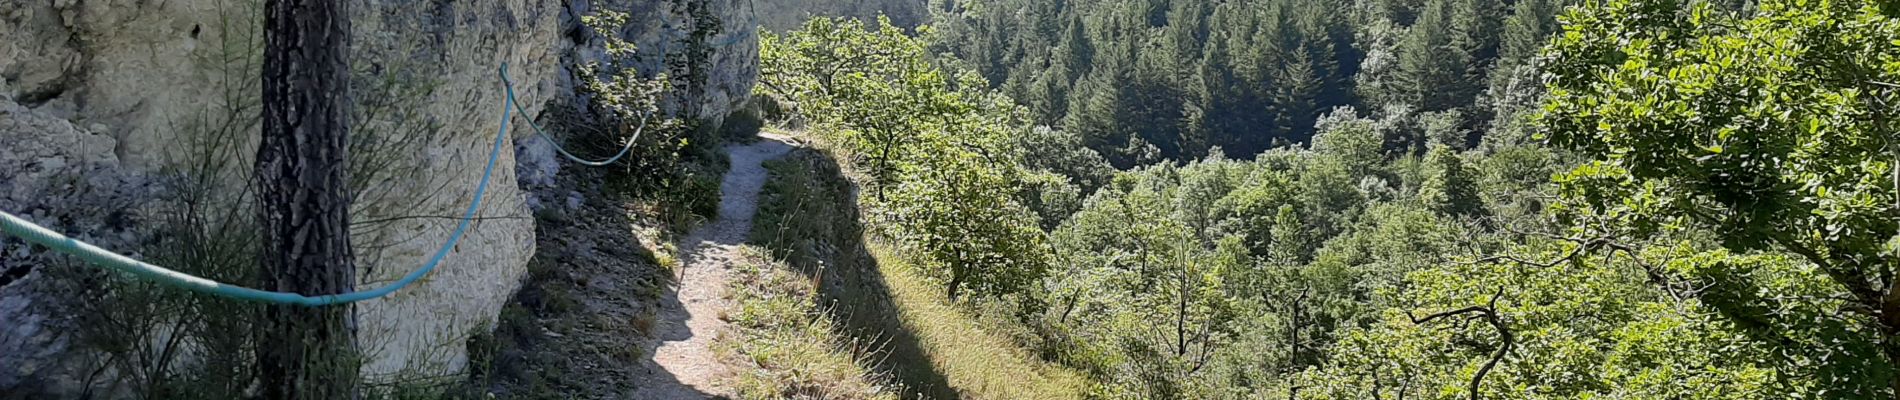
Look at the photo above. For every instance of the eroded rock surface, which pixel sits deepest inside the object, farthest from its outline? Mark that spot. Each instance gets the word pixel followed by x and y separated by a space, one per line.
pixel 101 99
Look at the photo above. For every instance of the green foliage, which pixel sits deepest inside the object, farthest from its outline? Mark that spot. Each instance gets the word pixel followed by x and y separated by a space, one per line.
pixel 1527 30
pixel 1449 187
pixel 1769 132
pixel 945 154
pixel 1355 141
pixel 961 214
pixel 1221 277
pixel 1639 342
pixel 1146 81
pixel 870 88
pixel 1724 228
pixel 1307 273
pixel 670 159
pixel 1431 67
pixel 626 100
pixel 1051 197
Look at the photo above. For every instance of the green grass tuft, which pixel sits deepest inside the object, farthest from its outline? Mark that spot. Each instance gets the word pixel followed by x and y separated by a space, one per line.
pixel 977 361
pixel 795 349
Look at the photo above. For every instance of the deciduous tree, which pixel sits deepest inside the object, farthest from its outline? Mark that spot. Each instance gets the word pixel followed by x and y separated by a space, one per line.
pixel 1773 133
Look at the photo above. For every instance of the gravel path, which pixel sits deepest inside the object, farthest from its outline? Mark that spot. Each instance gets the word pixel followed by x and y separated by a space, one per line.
pixel 683 365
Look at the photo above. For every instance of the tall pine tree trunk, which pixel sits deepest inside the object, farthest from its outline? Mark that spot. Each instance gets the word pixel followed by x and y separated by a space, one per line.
pixel 303 202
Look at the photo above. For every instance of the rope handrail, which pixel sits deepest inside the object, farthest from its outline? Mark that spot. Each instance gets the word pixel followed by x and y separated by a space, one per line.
pixel 20 227
pixel 510 89
pixel 734 38
pixel 16 226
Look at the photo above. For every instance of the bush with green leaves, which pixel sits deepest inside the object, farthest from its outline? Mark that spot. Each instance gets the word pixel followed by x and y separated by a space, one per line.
pixel 945 154
pixel 625 100
pixel 959 213
pixel 1574 328
pixel 871 88
pixel 1771 132
pixel 673 160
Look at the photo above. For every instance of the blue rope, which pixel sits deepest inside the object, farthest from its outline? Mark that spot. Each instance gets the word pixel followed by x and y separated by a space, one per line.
pixel 34 233
pixel 460 227
pixel 637 131
pixel 510 89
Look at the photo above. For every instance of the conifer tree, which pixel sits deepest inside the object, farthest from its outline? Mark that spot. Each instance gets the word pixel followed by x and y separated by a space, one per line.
pixel 1528 28
pixel 303 202
pixel 1431 66
pixel 1449 188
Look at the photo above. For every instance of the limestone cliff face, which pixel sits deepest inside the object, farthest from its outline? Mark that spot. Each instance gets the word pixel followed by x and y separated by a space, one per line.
pixel 708 48
pixel 105 104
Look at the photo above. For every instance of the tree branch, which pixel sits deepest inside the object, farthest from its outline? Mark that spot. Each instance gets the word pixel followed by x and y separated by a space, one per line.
pixel 1489 313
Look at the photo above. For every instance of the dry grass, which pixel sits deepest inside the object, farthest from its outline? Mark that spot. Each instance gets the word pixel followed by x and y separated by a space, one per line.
pixel 979 363
pixel 669 260
pixel 643 324
pixel 795 351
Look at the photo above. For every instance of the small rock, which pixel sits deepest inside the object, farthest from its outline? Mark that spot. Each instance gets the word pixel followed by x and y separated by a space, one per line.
pixel 61 107
pixel 51 163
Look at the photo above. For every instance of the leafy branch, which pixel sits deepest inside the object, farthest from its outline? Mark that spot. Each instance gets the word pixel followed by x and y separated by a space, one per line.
pixel 1489 313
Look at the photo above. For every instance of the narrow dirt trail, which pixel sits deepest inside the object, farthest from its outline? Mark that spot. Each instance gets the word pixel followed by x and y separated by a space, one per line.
pixel 683 365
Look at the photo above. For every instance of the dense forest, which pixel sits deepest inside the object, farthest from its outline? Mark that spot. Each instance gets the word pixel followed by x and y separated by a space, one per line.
pixel 1145 81
pixel 1378 199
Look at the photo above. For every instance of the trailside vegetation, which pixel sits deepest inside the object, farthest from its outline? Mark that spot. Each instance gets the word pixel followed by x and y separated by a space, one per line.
pixel 945 176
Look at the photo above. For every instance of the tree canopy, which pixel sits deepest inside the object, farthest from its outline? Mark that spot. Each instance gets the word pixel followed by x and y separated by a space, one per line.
pixel 1394 198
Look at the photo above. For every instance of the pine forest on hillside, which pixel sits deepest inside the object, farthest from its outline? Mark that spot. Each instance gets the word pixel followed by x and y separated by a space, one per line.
pixel 1377 199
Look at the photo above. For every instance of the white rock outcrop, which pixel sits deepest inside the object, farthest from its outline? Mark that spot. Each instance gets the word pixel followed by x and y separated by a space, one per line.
pixel 68 178
pixel 95 96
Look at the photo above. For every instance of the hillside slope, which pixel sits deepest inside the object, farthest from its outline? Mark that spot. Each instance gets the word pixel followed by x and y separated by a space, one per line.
pixel 808 215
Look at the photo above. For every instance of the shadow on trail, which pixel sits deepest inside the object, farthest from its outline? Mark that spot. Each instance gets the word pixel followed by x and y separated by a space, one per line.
pixel 808 216
pixel 579 326
pixel 691 310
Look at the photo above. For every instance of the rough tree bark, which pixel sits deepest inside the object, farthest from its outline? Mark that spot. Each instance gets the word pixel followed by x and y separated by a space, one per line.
pixel 303 201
